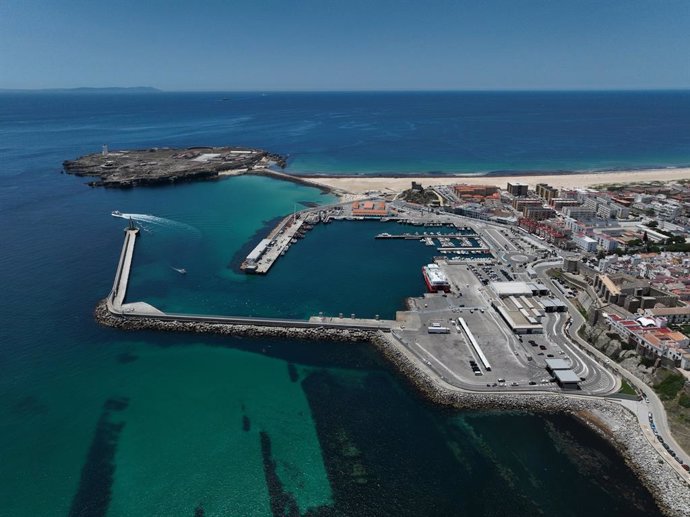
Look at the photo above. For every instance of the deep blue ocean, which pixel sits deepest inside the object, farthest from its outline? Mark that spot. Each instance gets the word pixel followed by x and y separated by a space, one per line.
pixel 96 422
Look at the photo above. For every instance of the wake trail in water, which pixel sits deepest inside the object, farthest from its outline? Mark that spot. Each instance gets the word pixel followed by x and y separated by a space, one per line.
pixel 160 222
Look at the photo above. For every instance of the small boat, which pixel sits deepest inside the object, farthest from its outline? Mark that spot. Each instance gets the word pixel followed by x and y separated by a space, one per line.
pixel 116 213
pixel 180 270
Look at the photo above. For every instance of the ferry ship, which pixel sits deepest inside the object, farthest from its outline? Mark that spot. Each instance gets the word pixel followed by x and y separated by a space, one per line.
pixel 435 279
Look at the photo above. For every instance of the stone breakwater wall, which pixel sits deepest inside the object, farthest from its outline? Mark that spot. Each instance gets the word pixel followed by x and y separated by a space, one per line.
pixel 608 419
pixel 105 317
pixel 284 176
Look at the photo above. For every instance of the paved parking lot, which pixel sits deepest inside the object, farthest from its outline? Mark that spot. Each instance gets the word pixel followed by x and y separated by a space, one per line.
pixel 516 363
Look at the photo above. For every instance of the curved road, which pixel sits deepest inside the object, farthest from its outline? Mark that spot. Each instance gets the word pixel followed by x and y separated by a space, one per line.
pixel 640 408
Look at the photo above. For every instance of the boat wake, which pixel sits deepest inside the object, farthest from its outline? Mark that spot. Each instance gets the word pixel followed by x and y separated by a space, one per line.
pixel 144 219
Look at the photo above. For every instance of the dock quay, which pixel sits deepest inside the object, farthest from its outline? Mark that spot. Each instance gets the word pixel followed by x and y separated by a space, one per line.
pixel 285 234
pixel 115 302
pixel 122 277
pixel 264 255
pixel 419 236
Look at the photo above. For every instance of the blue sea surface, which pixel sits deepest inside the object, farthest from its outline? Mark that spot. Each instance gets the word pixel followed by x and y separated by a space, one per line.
pixel 97 421
pixel 365 133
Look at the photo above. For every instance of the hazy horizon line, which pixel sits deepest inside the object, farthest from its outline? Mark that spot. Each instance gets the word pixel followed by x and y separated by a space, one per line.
pixel 155 90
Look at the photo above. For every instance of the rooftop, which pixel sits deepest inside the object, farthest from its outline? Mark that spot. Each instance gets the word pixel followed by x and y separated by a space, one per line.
pixel 668 311
pixel 557 364
pixel 511 288
pixel 566 376
pixel 608 283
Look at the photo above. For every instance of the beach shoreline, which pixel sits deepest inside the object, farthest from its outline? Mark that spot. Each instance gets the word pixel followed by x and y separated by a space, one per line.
pixel 359 184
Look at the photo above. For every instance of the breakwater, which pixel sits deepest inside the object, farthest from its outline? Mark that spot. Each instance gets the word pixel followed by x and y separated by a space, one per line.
pixel 295 178
pixel 307 332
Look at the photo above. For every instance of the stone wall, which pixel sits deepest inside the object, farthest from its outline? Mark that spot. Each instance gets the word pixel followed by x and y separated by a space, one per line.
pixel 104 317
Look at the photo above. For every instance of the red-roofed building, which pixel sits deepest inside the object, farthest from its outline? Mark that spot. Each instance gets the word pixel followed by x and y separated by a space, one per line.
pixel 369 209
pixel 659 341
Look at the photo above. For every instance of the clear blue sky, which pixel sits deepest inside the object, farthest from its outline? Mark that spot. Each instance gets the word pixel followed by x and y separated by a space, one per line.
pixel 345 44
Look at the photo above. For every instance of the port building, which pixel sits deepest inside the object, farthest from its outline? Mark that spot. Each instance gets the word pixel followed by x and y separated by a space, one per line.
pixel 521 317
pixel 374 209
pixel 563 373
pixel 505 289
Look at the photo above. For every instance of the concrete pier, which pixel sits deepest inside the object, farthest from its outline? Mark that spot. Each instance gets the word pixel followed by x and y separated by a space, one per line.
pixel 115 301
pixel 264 255
pixel 420 236
pixel 279 245
pixel 117 295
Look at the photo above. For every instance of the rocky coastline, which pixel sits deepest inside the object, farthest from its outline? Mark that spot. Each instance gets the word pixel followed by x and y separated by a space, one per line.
pixel 163 166
pixel 106 318
pixel 608 419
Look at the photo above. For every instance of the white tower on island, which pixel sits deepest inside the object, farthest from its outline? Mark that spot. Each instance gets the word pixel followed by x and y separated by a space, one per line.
pixel 104 152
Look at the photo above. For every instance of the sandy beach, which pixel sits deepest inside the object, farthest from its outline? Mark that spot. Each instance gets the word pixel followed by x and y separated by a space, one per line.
pixel 359 185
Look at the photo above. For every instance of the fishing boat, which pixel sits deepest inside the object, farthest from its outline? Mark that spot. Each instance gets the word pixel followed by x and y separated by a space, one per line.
pixel 180 270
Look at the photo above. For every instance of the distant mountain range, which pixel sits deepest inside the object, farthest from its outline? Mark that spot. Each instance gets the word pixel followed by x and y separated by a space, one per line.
pixel 85 89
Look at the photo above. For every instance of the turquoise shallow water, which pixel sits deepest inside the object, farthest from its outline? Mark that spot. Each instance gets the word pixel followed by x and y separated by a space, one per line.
pixel 95 421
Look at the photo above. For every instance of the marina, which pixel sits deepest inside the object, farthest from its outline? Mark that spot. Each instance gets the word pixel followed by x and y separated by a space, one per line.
pixel 423 236
pixel 459 241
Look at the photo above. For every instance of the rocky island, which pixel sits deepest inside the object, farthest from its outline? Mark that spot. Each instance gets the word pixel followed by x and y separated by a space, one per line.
pixel 164 165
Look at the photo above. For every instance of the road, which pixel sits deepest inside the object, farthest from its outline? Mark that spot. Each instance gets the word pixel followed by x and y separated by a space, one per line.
pixel 641 409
